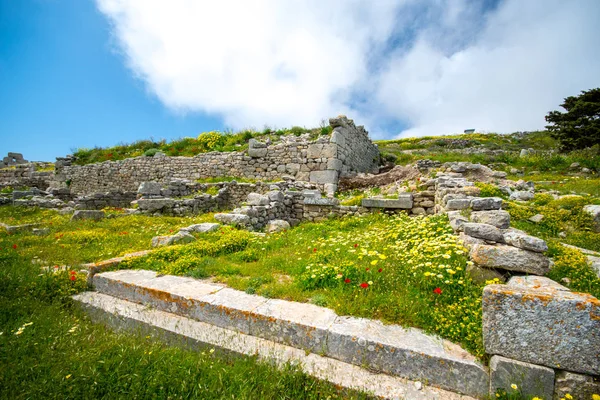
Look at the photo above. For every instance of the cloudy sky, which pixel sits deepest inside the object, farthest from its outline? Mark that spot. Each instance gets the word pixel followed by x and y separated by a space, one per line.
pixel 78 74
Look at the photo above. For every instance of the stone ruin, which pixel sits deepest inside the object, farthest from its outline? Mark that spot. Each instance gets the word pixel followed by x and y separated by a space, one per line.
pixel 13 159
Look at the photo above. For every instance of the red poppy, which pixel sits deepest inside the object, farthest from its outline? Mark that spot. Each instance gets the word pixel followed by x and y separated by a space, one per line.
pixel 14 246
pixel 437 290
pixel 73 278
pixel 355 244
pixel 347 280
pixel 315 250
pixel 380 269
pixel 364 285
pixel 368 269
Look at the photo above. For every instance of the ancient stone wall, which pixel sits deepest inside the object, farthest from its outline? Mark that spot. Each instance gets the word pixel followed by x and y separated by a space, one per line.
pixel 25 175
pixel 347 150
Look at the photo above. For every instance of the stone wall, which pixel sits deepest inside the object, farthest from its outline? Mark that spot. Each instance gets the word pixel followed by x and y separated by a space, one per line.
pixel 348 150
pixel 24 176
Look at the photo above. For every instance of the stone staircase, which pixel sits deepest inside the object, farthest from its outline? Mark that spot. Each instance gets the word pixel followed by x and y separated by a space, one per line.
pixel 342 350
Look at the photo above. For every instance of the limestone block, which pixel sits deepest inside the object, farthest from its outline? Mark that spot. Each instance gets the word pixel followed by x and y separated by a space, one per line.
pixel 334 164
pixel 594 211
pixel 321 201
pixel 457 220
pixel 338 138
pixel 537 218
pixel 498 218
pixel 531 380
pixel 88 214
pixel 543 325
pixel 418 211
pixel 521 195
pixel 232 219
pixel 149 188
pixel 324 176
pixel 152 205
pixel 483 231
pixel 486 203
pixel 314 150
pixel 482 275
pixel 277 225
pixel 510 258
pixel 311 193
pixel 256 199
pixel 257 152
pixel 577 385
pixel 524 241
pixel 202 228
pixel 458 204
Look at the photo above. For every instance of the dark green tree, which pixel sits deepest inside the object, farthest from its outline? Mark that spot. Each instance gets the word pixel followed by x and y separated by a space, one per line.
pixel 579 126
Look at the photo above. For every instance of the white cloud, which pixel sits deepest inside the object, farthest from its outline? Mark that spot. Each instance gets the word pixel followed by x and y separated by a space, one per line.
pixel 288 63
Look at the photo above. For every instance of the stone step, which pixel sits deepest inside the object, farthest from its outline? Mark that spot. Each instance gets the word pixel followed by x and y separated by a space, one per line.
pixel 122 314
pixel 408 353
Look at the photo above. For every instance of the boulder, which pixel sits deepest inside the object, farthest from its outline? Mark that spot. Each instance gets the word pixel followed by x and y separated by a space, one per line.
pixel 594 211
pixel 153 205
pixel 498 218
pixel 96 215
pixel 275 195
pixel 523 241
pixel 458 204
pixel 457 220
pixel 482 275
pixel 486 203
pixel 510 258
pixel 483 231
pixel 277 225
pixel 531 380
pixel 542 323
pixel 521 195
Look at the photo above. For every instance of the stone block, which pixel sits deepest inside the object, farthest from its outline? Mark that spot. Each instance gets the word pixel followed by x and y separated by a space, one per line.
pixel 524 241
pixel 456 220
pixel 577 385
pixel 499 218
pixel 458 204
pixel 521 195
pixel 531 380
pixel 149 188
pixel 257 152
pixel 321 201
pixel 311 193
pixel 542 324
pixel 275 195
pixel 181 237
pixel 277 225
pixel 334 164
pixel 486 203
pixel 153 205
pixel 408 353
pixel 537 218
pixel 482 275
pixel 314 150
pixel 402 202
pixel 233 219
pixel 96 215
pixel 510 258
pixel 256 199
pixel 205 227
pixel 483 231
pixel 324 177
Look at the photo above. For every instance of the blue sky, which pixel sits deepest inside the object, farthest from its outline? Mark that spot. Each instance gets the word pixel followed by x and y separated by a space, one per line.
pixel 79 73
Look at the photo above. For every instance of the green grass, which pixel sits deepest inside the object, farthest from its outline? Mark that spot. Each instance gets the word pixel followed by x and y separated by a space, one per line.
pixel 49 349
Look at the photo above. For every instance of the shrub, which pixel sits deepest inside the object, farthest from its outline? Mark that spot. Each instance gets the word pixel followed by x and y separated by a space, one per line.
pixel 208 141
pixel 490 190
pixel 151 152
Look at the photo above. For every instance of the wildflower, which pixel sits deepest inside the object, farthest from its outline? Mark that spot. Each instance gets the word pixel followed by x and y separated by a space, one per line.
pixel 14 246
pixel 380 269
pixel 68 376
pixel 515 387
pixel 437 290
pixel 355 245
pixel 364 285
pixel 315 250
pixel 596 396
pixel 568 396
pixel 347 280
pixel 374 262
pixel 370 282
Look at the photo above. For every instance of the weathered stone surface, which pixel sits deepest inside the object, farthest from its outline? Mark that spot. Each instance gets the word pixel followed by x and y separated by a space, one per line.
pixel 256 199
pixel 542 325
pixel 88 214
pixel 486 203
pixel 403 201
pixel 154 205
pixel 277 225
pixel 499 218
pixel 483 231
pixel 275 195
pixel 19 228
pixel 537 218
pixel 577 385
pixel 181 237
pixel 469 241
pixel 524 241
pixel 149 188
pixel 321 201
pixel 123 314
pixel 204 227
pixel 594 211
pixel 521 195
pixel 482 275
pixel 408 353
pixel 458 204
pixel 510 258
pixel 40 231
pixel 232 219
pixel 257 152
pixel 531 380
pixel 457 220
pixel 324 176
pixel 311 193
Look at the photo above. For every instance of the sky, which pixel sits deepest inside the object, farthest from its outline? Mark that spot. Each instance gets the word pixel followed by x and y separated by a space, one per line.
pixel 84 73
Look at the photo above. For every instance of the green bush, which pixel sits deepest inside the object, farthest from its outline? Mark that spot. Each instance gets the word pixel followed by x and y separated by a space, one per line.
pixel 151 152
